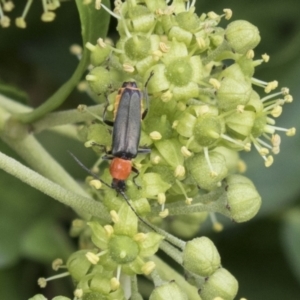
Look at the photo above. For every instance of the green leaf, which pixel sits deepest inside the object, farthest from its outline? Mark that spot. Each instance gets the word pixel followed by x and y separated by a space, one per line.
pixel 94 24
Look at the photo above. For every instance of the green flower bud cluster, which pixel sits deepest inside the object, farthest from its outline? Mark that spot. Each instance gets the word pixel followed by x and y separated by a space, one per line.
pixel 122 249
pixel 203 111
pixel 202 260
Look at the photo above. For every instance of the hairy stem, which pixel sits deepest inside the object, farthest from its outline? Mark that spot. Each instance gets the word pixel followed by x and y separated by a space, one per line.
pixel 77 202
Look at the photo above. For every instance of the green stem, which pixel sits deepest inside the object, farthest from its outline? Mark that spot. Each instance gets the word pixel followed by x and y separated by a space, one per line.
pixel 12 106
pixel 166 273
pixel 214 201
pixel 52 189
pixel 213 54
pixel 66 117
pixel 173 252
pixel 17 137
pixel 59 96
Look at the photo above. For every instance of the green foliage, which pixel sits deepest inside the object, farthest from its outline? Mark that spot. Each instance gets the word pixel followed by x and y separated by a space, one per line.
pixel 33 227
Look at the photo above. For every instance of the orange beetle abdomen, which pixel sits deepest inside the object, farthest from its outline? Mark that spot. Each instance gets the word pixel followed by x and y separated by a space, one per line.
pixel 120 169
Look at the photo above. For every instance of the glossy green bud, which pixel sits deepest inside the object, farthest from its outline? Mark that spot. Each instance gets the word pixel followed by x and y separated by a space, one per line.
pixel 242 36
pixel 199 169
pixel 220 284
pixel 242 197
pixel 168 291
pixel 200 256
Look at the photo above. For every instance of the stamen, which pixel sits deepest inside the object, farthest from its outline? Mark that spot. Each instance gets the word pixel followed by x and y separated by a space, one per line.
pixel 4 20
pixel 217 226
pixel 8 5
pixel 42 282
pixel 188 200
pixel 213 173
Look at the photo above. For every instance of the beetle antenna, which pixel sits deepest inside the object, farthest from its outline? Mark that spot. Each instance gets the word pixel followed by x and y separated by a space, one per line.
pixel 141 219
pixel 121 192
pixel 88 170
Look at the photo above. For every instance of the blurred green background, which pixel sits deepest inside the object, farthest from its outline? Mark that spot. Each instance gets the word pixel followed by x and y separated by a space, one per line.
pixel 263 254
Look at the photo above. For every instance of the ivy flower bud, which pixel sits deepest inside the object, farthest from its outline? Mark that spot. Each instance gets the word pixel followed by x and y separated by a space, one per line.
pixel 141 19
pixel 242 36
pixel 180 35
pixel 232 93
pixel 242 198
pixel 179 72
pixel 188 20
pixel 98 54
pixel 122 249
pixel 240 125
pixel 201 172
pixel 168 291
pixel 207 130
pixel 220 284
pixel 100 80
pixel 137 47
pixel 200 256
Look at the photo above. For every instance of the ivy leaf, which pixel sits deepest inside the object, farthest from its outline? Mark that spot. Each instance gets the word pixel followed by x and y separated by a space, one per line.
pixel 94 24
